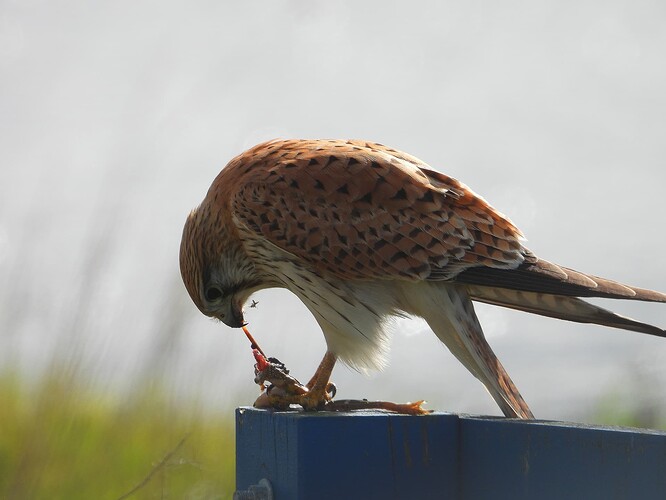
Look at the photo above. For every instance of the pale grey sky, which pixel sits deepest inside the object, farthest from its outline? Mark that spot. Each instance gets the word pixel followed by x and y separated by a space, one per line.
pixel 116 116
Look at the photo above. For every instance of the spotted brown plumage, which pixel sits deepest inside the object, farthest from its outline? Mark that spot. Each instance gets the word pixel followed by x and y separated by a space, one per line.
pixel 360 232
pixel 358 211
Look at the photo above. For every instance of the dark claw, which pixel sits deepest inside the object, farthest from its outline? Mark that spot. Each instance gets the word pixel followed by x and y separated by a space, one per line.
pixel 331 390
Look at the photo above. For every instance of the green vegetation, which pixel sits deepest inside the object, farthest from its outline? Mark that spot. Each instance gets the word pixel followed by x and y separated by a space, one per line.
pixel 616 408
pixel 60 440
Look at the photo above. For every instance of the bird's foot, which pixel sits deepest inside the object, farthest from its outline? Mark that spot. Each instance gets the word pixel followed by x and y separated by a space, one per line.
pixel 317 398
pixel 280 390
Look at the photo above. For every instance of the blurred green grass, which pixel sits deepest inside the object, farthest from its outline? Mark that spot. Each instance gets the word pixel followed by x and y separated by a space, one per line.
pixel 615 409
pixel 62 440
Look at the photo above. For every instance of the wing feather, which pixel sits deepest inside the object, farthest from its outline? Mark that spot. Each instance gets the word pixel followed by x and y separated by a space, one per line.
pixel 363 211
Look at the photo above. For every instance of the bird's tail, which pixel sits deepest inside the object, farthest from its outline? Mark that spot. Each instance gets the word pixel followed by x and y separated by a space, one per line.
pixel 558 306
pixel 540 276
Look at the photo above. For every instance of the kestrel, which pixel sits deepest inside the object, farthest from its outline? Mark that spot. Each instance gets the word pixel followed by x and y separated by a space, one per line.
pixel 361 232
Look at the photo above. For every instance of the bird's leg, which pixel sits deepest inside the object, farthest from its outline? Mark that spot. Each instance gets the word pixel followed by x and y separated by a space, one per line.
pixel 318 394
pixel 326 364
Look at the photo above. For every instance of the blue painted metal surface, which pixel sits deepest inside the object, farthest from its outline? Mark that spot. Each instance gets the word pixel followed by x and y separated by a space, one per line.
pixel 368 455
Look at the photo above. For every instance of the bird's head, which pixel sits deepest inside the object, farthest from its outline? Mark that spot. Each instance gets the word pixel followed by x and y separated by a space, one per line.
pixel 216 272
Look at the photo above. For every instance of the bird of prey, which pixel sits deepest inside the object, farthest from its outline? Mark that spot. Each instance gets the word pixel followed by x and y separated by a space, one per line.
pixel 361 232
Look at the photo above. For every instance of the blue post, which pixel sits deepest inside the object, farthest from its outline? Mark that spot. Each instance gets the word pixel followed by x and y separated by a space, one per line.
pixel 368 455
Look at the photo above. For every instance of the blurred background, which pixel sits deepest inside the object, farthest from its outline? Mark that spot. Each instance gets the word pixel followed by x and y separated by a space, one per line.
pixel 115 117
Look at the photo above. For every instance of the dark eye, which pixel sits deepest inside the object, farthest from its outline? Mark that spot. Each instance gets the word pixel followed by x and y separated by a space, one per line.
pixel 213 293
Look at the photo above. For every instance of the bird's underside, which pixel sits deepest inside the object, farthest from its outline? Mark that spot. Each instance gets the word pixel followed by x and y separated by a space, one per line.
pixel 360 232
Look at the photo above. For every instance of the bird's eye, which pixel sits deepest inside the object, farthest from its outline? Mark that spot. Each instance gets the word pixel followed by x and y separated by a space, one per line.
pixel 213 293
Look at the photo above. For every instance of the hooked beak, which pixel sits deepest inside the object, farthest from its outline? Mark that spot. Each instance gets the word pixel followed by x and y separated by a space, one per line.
pixel 233 316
